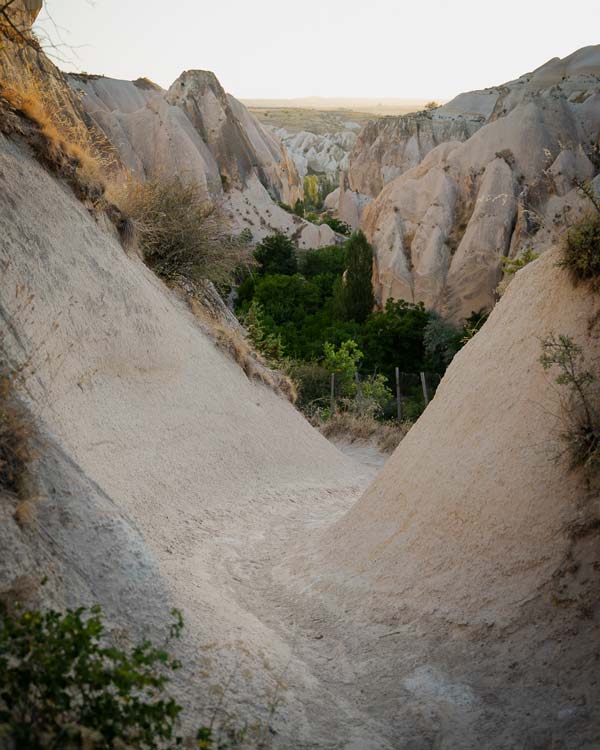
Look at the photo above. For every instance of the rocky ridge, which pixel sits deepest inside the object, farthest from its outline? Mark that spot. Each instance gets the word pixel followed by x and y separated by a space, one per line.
pixel 327 154
pixel 197 131
pixel 441 228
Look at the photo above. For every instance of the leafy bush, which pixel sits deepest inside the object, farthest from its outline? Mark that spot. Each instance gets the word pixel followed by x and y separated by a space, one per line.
pixel 179 232
pixel 337 225
pixel 312 381
pixel 343 362
pixel 581 250
pixel 580 431
pixel 63 688
pixel 442 340
pixel 394 337
pixel 268 344
pixel 512 265
pixel 59 684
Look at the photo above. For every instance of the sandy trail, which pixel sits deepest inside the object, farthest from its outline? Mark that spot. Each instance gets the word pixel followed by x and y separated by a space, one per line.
pixel 334 703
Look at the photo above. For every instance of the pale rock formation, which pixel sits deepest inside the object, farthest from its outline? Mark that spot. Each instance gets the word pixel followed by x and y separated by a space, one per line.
pixel 324 154
pixel 24 12
pixel 462 564
pixel 441 229
pixel 390 146
pixel 198 132
pixel 348 204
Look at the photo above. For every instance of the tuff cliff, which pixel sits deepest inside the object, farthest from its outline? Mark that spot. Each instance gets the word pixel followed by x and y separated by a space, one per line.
pixel 441 228
pixel 197 131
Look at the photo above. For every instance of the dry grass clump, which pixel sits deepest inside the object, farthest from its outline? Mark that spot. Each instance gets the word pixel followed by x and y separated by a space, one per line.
pixel 234 343
pixel 16 450
pixel 345 425
pixel 180 232
pixel 64 143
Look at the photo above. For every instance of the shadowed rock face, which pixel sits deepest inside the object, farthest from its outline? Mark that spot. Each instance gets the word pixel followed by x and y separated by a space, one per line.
pixel 24 12
pixel 441 228
pixel 388 147
pixel 238 143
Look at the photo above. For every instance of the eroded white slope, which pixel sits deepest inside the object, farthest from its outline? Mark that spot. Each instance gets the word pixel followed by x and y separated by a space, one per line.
pixel 193 462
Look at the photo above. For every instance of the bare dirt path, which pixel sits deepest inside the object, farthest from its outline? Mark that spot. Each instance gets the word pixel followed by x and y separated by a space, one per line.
pixel 329 693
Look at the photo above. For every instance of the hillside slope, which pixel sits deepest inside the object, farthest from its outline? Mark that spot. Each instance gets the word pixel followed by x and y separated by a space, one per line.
pixel 471 566
pixel 169 461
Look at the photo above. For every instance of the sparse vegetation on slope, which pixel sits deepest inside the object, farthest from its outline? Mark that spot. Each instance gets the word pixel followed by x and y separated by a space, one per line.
pixel 580 427
pixel 62 139
pixel 16 434
pixel 581 248
pixel 179 231
pixel 61 686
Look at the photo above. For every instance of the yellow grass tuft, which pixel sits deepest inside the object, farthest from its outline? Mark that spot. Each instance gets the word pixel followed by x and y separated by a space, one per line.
pixel 364 428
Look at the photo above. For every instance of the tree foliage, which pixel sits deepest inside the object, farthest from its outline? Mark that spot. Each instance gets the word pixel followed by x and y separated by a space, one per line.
pixel 276 254
pixel 60 683
pixel 356 299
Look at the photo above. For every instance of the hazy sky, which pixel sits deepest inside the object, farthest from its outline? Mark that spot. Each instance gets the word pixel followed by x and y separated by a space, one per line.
pixel 362 48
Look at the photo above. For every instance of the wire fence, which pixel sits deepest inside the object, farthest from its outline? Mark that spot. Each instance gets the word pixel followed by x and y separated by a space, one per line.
pixel 404 398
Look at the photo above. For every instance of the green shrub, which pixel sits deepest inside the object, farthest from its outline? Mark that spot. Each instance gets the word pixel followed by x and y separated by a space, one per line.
pixel 59 684
pixel 337 225
pixel 312 382
pixel 580 428
pixel 355 295
pixel 581 250
pixel 276 254
pixel 62 687
pixel 324 260
pixel 512 265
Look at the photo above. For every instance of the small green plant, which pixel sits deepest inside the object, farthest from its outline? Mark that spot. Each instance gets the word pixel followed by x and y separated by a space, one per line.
pixel 268 344
pixel 473 324
pixel 343 362
pixel 580 432
pixel 581 246
pixel 337 225
pixel 59 683
pixel 62 686
pixel 510 266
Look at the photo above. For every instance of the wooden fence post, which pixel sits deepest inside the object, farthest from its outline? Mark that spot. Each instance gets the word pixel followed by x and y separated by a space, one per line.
pixel 424 384
pixel 398 395
pixel 332 398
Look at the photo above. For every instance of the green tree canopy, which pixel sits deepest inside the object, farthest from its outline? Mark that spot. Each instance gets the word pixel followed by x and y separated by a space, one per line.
pixel 355 295
pixel 276 255
pixel 394 337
